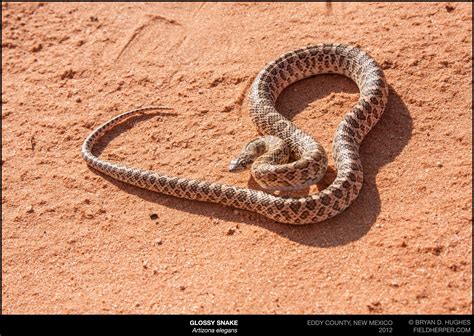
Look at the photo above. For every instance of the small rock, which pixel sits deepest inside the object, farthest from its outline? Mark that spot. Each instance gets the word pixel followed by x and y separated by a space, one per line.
pixel 64 38
pixel 153 216
pixel 8 45
pixel 231 231
pixel 403 244
pixel 387 64
pixel 29 209
pixel 374 306
pixel 158 241
pixel 182 287
pixel 145 264
pixel 155 271
pixel 69 74
pixel 37 47
pixel 421 295
pixel 227 108
pixel 454 267
pixel 449 8
pixel 94 18
pixel 436 250
pixel 439 164
pixel 78 99
pixel 394 283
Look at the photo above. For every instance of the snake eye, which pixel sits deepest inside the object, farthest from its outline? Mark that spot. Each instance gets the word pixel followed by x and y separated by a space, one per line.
pixel 242 162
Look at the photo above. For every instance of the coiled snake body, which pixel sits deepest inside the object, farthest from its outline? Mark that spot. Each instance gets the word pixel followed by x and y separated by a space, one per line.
pixel 310 161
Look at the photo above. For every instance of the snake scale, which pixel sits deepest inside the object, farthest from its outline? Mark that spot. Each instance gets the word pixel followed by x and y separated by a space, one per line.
pixel 264 155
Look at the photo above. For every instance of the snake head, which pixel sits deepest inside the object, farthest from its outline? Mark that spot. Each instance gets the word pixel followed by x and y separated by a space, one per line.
pixel 251 152
pixel 241 162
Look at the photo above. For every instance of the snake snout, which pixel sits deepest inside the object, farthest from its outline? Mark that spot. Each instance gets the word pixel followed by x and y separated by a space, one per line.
pixel 235 166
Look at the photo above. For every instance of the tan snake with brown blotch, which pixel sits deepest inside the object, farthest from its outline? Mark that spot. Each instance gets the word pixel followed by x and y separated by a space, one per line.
pixel 268 155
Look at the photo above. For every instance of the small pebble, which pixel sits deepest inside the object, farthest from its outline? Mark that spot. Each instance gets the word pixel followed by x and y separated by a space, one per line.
pixel 78 99
pixel 374 306
pixel 394 283
pixel 387 64
pixel 450 8
pixel 69 74
pixel 454 268
pixel 145 264
pixel 37 47
pixel 153 216
pixel 29 209
pixel 439 164
pixel 182 287
pixel 94 18
pixel 231 231
pixel 158 241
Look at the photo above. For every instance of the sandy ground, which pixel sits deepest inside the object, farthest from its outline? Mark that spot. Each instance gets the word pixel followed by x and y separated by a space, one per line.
pixel 75 241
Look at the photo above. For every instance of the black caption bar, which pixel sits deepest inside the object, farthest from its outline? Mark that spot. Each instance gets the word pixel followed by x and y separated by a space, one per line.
pixel 420 325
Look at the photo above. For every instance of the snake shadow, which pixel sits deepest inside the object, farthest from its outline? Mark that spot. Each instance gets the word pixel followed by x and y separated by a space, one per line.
pixel 383 144
pixel 380 147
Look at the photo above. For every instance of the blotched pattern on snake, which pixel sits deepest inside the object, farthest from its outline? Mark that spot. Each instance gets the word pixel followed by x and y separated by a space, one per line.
pixel 268 155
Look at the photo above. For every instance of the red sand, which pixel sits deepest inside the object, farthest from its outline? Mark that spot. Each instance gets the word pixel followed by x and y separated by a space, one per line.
pixel 75 241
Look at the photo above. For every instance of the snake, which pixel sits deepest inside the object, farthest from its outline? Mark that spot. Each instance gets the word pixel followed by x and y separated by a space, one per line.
pixel 284 157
